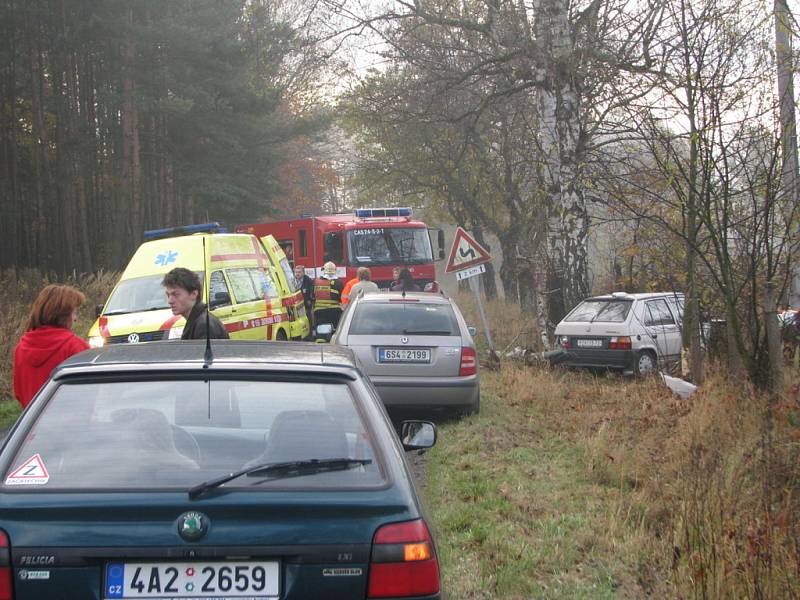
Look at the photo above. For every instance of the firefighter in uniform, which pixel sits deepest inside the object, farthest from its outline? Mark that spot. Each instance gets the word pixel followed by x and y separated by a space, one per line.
pixel 327 306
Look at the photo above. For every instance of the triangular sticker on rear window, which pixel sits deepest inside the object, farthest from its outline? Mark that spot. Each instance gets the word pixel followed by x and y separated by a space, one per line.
pixel 31 472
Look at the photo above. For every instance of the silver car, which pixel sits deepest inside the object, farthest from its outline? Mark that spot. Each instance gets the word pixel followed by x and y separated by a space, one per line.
pixel 416 349
pixel 632 333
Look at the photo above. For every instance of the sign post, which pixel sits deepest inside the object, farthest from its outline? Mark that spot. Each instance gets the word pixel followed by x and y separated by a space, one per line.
pixel 467 260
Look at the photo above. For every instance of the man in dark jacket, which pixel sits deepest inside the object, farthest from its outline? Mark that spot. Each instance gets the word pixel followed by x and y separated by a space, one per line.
pixel 327 305
pixel 306 285
pixel 183 296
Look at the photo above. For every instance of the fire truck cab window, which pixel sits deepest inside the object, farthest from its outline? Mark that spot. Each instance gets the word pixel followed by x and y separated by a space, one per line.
pixel 333 247
pixel 302 242
pixel 389 245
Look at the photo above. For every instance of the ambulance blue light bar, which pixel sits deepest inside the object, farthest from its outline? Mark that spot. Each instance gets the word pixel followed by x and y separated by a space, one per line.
pixel 154 234
pixel 371 213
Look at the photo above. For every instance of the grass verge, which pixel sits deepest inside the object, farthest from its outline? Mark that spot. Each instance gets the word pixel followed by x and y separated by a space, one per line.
pixel 518 512
pixel 574 486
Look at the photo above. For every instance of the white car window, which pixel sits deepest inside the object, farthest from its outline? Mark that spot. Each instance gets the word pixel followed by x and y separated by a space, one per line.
pixel 676 304
pixel 657 313
pixel 604 311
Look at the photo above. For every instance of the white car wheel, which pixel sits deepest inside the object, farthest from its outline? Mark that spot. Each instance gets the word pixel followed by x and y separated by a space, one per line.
pixel 645 364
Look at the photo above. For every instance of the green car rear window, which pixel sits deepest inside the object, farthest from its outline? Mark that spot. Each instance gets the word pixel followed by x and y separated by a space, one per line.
pixel 165 434
pixel 403 318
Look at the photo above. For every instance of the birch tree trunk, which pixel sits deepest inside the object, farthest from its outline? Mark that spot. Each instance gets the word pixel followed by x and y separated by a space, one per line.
pixel 567 223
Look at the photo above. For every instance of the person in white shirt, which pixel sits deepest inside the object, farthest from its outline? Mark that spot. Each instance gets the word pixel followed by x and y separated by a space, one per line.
pixel 364 284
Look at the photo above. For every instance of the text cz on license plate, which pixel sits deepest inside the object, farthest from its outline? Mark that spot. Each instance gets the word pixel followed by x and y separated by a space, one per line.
pixel 415 355
pixel 590 343
pixel 253 580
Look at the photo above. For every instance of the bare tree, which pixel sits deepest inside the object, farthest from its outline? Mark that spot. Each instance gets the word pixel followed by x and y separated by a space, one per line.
pixel 562 61
pixel 707 135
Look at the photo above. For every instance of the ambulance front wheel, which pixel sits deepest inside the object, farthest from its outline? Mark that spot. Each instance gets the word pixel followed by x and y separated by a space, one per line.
pixel 281 336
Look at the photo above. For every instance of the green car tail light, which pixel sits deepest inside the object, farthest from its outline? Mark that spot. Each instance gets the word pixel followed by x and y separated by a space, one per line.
pixel 6 592
pixel 404 562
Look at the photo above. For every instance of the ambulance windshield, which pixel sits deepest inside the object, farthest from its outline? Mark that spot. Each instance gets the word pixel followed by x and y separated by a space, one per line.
pixel 389 246
pixel 138 295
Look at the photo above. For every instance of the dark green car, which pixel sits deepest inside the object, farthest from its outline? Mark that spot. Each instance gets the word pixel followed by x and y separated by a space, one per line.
pixel 259 471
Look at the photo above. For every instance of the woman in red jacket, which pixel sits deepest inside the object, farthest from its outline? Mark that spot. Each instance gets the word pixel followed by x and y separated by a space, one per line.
pixel 48 339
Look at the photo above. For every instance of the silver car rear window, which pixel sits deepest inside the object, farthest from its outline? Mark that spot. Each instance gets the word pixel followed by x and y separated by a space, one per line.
pixel 603 311
pixel 403 318
pixel 179 433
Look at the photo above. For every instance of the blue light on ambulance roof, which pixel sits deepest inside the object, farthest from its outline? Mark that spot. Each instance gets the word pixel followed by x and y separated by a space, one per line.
pixel 371 213
pixel 154 234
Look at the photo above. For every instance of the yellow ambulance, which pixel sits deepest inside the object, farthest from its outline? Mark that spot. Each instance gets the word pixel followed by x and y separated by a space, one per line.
pixel 291 295
pixel 244 285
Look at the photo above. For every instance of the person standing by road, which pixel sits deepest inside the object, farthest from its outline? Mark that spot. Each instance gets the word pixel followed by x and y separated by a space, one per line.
pixel 348 287
pixel 48 339
pixel 365 283
pixel 306 285
pixel 327 307
pixel 406 283
pixel 183 296
pixel 395 277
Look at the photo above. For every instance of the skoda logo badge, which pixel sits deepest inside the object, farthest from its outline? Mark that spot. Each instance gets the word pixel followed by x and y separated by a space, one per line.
pixel 404 340
pixel 133 338
pixel 192 526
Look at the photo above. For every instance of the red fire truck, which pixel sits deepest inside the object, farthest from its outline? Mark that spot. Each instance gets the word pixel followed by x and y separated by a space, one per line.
pixel 378 238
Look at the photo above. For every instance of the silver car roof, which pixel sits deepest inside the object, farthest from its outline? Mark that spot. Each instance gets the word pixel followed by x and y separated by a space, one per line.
pixel 429 297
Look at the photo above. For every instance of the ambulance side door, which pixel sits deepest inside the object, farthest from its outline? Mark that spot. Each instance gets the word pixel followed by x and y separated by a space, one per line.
pixel 269 288
pixel 250 314
pixel 282 275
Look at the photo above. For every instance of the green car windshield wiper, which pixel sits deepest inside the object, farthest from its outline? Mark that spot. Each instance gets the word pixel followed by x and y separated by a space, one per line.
pixel 281 470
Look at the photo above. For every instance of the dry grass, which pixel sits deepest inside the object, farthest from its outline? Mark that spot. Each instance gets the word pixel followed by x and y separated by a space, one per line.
pixel 507 325
pixel 701 496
